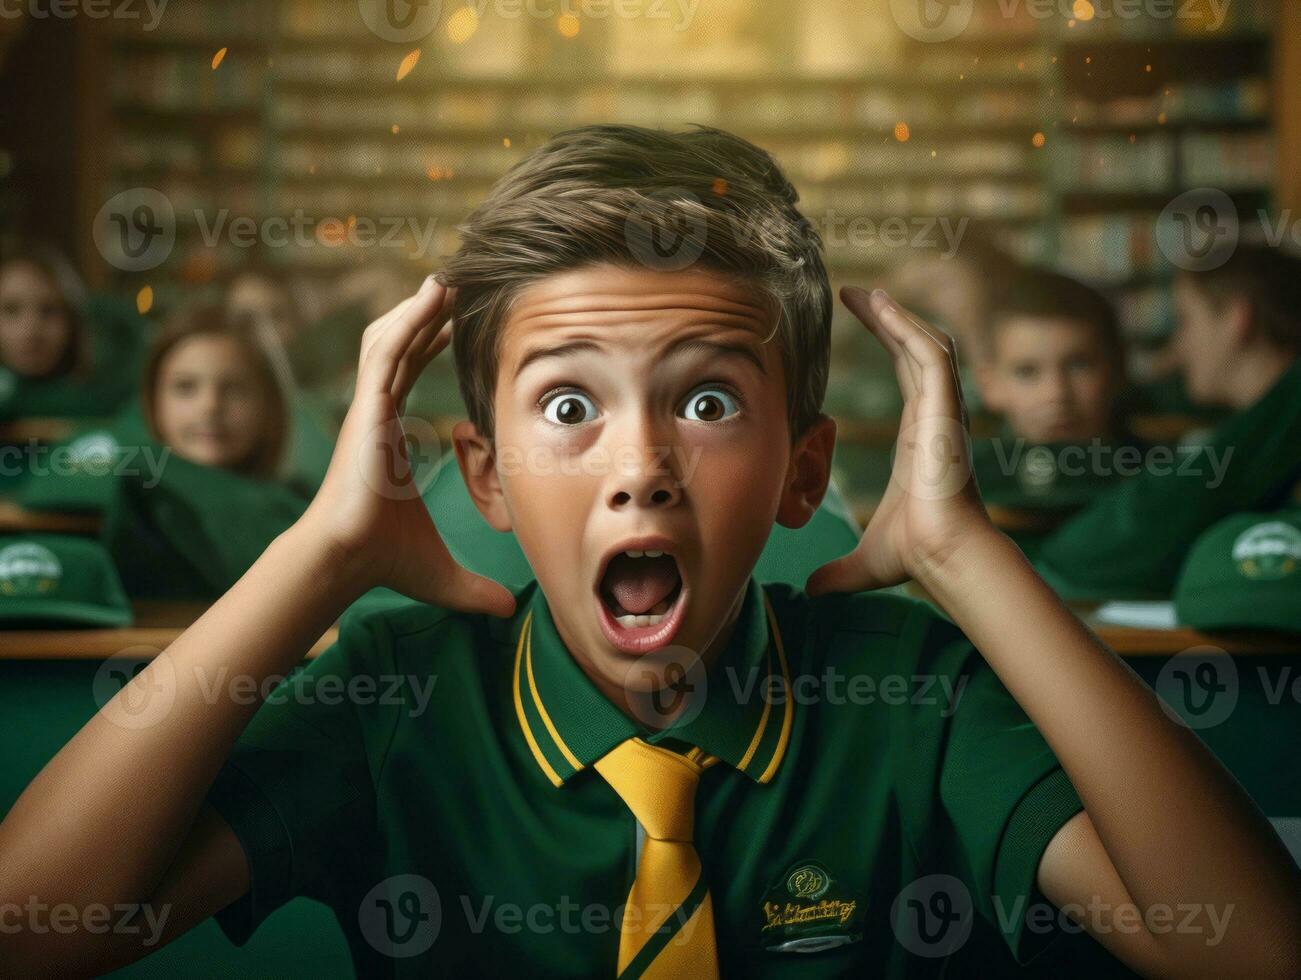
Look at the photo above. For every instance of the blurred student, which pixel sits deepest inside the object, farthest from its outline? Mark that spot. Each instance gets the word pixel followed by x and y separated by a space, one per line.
pixel 260 297
pixel 217 410
pixel 1054 368
pixel 1238 337
pixel 62 354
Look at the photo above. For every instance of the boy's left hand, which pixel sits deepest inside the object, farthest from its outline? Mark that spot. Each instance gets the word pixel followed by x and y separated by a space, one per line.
pixel 931 506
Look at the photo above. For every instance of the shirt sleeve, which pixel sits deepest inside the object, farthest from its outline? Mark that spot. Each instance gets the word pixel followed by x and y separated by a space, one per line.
pixel 1002 792
pixel 1134 537
pixel 297 789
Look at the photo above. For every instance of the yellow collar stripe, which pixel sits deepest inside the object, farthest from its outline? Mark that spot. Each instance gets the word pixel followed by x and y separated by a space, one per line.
pixel 542 711
pixel 789 702
pixel 550 773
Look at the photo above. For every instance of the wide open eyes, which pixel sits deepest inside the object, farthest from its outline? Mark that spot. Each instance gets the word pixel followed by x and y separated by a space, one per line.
pixel 710 405
pixel 568 408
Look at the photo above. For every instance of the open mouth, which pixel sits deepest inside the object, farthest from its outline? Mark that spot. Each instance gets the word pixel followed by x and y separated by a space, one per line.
pixel 641 594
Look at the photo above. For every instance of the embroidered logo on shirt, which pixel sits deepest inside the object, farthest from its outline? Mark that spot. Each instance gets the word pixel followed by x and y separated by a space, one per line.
pixel 805 911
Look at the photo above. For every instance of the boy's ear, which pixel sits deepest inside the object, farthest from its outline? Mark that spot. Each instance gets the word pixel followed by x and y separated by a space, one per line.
pixel 808 474
pixel 475 456
pixel 1238 319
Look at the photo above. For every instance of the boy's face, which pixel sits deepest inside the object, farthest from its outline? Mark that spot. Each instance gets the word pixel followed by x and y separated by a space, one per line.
pixel 643 411
pixel 209 406
pixel 1051 379
pixel 34 329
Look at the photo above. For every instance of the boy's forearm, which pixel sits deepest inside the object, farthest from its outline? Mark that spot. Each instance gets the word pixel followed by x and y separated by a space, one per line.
pixel 1147 782
pixel 127 787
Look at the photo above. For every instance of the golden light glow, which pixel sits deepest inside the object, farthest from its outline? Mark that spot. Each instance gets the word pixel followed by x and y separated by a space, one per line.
pixel 217 58
pixel 145 298
pixel 901 132
pixel 1039 140
pixel 1083 10
pixel 567 24
pixel 462 25
pixel 408 63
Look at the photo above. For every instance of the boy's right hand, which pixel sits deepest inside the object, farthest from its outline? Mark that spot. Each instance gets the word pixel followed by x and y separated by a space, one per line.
pixel 368 511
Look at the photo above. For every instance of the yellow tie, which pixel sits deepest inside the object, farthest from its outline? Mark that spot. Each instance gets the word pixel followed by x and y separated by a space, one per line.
pixel 668 923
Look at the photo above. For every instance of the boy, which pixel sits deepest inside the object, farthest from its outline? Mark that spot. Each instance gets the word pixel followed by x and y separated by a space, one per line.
pixel 625 768
pixel 1237 343
pixel 1054 368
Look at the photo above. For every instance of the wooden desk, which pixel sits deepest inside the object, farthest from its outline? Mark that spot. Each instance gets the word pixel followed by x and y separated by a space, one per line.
pixel 157 625
pixel 16 519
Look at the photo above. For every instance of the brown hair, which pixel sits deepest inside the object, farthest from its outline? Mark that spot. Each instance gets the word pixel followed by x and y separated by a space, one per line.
pixel 1269 279
pixel 208 319
pixel 604 194
pixel 56 269
pixel 1047 294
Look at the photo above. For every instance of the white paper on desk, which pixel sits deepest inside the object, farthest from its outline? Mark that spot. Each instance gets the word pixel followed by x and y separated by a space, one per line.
pixel 1154 615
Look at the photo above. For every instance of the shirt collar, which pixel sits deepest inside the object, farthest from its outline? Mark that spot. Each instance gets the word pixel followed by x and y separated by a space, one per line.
pixel 568 724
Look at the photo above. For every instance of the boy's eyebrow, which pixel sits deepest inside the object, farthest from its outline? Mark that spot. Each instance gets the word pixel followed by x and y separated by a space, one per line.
pixel 687 345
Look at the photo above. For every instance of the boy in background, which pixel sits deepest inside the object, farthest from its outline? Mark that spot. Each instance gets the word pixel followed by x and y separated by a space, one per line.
pixel 1237 341
pixel 1054 370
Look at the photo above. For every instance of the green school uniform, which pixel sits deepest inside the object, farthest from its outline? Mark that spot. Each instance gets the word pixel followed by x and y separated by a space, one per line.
pixel 790 555
pixel 1054 478
pixel 175 529
pixel 430 779
pixel 118 339
pixel 1132 540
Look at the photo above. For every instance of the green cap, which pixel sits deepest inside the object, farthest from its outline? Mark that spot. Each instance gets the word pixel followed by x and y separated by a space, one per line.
pixel 1244 573
pixel 54 579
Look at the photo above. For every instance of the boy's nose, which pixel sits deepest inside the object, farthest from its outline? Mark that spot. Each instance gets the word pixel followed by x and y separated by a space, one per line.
pixel 650 483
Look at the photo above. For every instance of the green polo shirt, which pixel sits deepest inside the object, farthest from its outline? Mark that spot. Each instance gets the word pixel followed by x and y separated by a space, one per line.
pixel 430 779
pixel 1132 540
